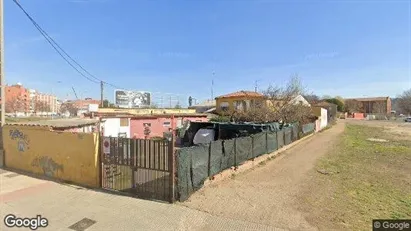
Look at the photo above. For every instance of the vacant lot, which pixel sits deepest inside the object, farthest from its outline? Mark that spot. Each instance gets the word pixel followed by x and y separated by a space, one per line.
pixel 360 180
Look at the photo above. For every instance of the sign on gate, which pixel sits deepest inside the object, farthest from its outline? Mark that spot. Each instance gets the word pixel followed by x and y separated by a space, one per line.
pixel 106 146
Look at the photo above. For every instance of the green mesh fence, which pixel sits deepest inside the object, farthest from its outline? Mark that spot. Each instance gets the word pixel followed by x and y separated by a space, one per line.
pixel 280 139
pixel 287 135
pixel 308 128
pixel 184 183
pixel 259 144
pixel 243 149
pixel 199 165
pixel 228 158
pixel 195 164
pixel 216 157
pixel 294 135
pixel 272 142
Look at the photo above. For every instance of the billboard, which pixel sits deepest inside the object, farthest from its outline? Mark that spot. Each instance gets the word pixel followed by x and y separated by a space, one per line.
pixel 132 99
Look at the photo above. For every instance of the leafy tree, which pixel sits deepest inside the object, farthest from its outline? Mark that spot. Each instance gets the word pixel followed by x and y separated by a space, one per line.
pixel 190 101
pixel 223 119
pixel 107 104
pixel 177 106
pixel 339 103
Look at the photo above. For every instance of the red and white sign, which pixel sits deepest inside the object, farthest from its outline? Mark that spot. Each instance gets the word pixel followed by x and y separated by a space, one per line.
pixel 106 146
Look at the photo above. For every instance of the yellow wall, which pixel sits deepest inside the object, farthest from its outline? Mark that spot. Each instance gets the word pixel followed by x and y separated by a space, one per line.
pixel 60 155
pixel 231 100
pixel 148 111
pixel 316 111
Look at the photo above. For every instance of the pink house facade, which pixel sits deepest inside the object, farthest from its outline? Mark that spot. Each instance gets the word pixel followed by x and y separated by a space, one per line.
pixel 155 125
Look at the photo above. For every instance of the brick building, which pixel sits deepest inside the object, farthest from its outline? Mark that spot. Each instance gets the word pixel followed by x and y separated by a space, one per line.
pixel 23 101
pixel 17 99
pixel 375 105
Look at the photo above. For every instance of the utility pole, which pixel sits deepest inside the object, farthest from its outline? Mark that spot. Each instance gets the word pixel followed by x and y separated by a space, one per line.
pixel 101 94
pixel 2 78
pixel 212 87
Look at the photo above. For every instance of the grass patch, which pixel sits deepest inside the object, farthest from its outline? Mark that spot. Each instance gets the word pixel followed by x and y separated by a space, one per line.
pixel 373 181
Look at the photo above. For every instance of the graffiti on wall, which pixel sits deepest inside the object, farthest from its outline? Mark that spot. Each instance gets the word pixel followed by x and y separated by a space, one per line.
pixel 22 139
pixel 48 165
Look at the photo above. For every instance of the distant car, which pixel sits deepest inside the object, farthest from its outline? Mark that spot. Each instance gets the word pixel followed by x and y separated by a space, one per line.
pixel 408 119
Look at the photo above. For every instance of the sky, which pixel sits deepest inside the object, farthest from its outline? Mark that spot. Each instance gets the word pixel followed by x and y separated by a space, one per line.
pixel 176 48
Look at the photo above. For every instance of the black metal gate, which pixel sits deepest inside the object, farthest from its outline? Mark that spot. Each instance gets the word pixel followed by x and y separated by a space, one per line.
pixel 142 167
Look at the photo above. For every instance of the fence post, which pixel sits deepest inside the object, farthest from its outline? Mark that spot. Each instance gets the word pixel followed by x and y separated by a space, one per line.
pixel 100 160
pixel 209 160
pixel 235 153
pixel 266 142
pixel 172 168
pixel 252 147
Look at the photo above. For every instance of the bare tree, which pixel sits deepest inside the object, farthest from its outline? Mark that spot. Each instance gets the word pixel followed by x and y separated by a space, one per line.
pixel 312 98
pixel 404 102
pixel 379 108
pixel 14 105
pixel 352 105
pixel 279 104
pixel 41 106
pixel 69 107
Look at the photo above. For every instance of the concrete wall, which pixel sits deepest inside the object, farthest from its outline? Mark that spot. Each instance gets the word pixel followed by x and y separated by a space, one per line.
pixel 158 126
pixel 59 155
pixel 322 115
pixel 358 116
pixel 111 127
pixel 84 129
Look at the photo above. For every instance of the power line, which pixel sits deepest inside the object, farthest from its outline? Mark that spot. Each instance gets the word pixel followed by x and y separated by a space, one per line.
pixel 56 47
pixel 61 51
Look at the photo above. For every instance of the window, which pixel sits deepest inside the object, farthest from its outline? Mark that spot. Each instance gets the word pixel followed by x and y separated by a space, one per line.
pixel 224 106
pixel 123 122
pixel 167 124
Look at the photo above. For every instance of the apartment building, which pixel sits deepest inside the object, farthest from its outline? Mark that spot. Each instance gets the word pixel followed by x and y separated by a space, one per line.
pixel 22 101
pixel 17 99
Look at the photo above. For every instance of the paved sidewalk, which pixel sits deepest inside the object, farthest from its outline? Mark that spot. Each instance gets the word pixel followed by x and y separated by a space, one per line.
pixel 65 205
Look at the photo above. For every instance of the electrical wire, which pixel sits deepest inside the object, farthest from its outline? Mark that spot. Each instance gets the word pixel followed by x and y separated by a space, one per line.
pixel 56 47
pixel 61 51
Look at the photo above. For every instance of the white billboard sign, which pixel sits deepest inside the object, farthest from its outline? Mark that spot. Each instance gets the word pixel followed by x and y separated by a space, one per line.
pixel 93 107
pixel 132 99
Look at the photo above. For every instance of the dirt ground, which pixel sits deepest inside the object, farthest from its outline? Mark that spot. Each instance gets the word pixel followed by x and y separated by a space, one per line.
pixel 269 194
